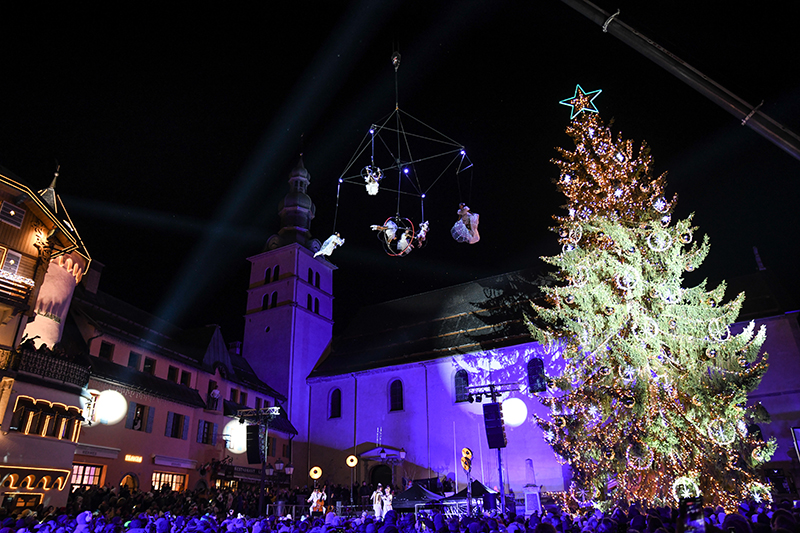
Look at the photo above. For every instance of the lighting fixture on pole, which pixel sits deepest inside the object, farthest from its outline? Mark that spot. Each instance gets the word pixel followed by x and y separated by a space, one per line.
pixel 270 470
pixel 402 454
pixel 279 464
pixel 383 454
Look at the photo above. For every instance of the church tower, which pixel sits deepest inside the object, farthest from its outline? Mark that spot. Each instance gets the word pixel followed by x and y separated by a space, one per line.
pixel 289 316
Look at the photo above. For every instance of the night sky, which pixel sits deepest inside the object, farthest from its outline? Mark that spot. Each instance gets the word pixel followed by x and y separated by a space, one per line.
pixel 176 131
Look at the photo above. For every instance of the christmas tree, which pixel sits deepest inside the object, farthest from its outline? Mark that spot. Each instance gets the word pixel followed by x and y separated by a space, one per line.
pixel 651 403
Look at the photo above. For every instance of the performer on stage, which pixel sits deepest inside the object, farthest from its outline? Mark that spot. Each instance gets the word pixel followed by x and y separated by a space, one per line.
pixel 387 500
pixel 377 498
pixel 317 501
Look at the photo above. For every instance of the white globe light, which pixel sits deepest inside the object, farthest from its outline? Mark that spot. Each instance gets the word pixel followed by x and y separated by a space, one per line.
pixel 515 412
pixel 111 407
pixel 236 436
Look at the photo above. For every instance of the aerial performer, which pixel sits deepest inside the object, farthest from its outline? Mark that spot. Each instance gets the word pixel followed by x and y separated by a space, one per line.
pixel 330 244
pixel 404 245
pixel 466 227
pixel 422 234
pixel 372 177
pixel 389 230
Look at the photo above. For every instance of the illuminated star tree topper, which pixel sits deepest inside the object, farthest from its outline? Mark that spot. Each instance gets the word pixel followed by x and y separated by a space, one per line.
pixel 581 101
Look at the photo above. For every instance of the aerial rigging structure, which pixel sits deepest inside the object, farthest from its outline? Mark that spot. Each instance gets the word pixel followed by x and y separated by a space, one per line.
pixel 402 157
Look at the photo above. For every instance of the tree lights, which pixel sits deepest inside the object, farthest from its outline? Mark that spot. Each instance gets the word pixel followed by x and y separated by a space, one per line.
pixel 655 384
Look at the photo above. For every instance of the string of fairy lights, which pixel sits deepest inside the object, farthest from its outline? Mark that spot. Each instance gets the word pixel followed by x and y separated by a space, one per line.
pixel 651 402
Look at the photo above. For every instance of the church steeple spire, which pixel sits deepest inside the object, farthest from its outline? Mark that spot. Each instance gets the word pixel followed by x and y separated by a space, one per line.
pixel 296 211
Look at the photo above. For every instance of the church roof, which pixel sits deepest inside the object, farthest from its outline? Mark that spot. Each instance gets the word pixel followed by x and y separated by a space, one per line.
pixel 201 348
pixel 764 295
pixel 144 382
pixel 478 315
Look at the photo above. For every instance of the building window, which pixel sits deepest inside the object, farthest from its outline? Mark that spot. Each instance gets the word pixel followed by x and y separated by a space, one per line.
pixel 258 402
pixel 177 426
pixel 310 276
pixel 12 214
pixel 140 417
pixel 462 386
pixel 186 378
pixel 276 273
pixel 316 280
pixel 106 351
pixel 335 404
pixel 11 262
pixel 207 432
pixel 176 482
pixel 285 450
pixel 308 302
pixel 149 366
pixel 243 398
pixel 316 305
pixel 235 395
pixel 212 396
pixel 271 442
pixel 267 274
pixel 274 301
pixel 172 374
pixel 86 475
pixel 45 419
pixel 134 360
pixel 396 395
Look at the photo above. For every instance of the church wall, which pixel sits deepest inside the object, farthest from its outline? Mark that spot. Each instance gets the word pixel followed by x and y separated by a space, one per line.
pixel 779 390
pixel 432 427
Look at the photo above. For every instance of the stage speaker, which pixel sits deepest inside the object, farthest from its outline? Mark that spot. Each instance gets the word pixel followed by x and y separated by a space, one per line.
pixel 495 429
pixel 254 448
pixel 536 379
pixel 489 501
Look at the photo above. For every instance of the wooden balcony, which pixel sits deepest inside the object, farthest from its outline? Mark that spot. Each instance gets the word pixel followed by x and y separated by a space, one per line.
pixel 46 364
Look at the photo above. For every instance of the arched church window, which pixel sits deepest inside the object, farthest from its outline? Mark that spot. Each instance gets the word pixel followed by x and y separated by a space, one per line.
pixel 316 280
pixel 274 299
pixel 310 276
pixel 265 302
pixel 276 273
pixel 396 395
pixel 316 305
pixel 335 407
pixel 462 386
pixel 308 302
pixel 267 275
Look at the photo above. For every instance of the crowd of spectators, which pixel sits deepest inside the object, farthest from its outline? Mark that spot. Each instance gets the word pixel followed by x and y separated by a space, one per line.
pixel 99 510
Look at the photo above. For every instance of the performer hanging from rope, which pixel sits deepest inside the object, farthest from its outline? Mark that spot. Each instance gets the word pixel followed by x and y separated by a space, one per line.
pixel 422 234
pixel 330 244
pixel 466 227
pixel 372 177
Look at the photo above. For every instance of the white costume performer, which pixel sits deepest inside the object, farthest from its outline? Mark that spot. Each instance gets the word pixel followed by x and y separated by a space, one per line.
pixel 387 501
pixel 466 228
pixel 389 230
pixel 372 177
pixel 404 245
pixel 377 498
pixel 330 244
pixel 422 234
pixel 315 497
